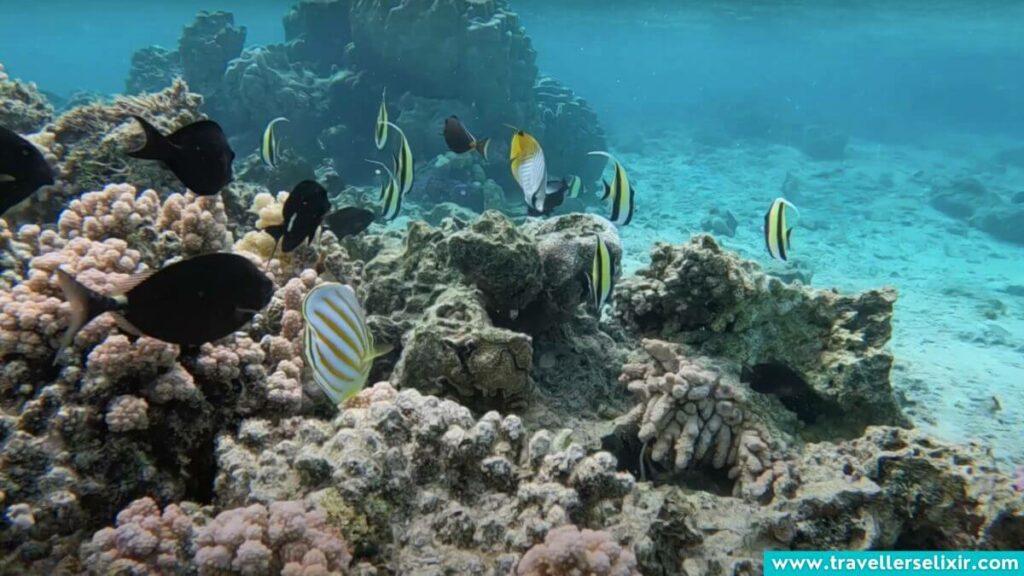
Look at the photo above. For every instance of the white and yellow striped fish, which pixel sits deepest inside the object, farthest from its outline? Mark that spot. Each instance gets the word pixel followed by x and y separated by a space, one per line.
pixel 339 345
pixel 602 274
pixel 777 228
pixel 380 131
pixel 529 168
pixel 620 191
pixel 268 145
pixel 390 193
pixel 404 162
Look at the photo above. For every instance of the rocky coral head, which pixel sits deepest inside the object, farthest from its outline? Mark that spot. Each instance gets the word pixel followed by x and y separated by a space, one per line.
pixel 567 551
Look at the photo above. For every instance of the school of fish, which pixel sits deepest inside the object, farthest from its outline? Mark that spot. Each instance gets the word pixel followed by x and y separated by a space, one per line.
pixel 338 342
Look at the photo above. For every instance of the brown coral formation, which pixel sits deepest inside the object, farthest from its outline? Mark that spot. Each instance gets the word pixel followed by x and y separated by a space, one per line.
pixel 567 550
pixel 820 352
pixel 23 108
pixel 695 414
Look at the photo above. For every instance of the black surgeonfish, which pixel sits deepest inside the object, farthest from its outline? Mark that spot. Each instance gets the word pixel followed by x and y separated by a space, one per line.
pixel 553 197
pixel 190 302
pixel 777 228
pixel 460 141
pixel 198 154
pixel 349 221
pixel 23 170
pixel 303 212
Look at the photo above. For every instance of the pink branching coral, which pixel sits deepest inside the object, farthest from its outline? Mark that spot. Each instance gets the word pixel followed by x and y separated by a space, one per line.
pixel 127 413
pixel 567 551
pixel 145 541
pixel 288 539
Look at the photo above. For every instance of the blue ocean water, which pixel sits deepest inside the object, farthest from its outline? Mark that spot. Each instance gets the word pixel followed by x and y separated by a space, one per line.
pixel 896 129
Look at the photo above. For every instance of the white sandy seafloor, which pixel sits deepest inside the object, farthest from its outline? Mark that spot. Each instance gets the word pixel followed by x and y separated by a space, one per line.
pixel 866 221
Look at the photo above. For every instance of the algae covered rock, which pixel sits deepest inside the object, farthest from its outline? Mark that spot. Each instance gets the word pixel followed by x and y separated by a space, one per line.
pixel 455 349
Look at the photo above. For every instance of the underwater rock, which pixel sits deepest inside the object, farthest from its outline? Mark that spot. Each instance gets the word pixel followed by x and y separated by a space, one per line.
pixel 499 259
pixel 317 33
pixel 1005 223
pixel 205 48
pixel 719 221
pixel 418 40
pixel 23 108
pixel 152 69
pixel 968 199
pixel 960 198
pixel 823 142
pixel 454 349
pixel 823 354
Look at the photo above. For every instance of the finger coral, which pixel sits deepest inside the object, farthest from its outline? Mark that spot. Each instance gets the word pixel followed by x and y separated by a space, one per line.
pixel 144 541
pixel 695 415
pixel 567 551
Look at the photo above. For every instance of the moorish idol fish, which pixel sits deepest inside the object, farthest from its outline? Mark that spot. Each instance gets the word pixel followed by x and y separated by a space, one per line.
pixel 198 154
pixel 23 170
pixel 602 274
pixel 403 162
pixel 777 228
pixel 459 140
pixel 575 186
pixel 390 193
pixel 380 132
pixel 268 146
pixel 339 346
pixel 620 191
pixel 190 302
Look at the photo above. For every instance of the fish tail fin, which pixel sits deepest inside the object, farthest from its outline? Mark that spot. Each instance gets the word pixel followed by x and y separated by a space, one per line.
pixel 276 231
pixel 86 304
pixel 157 147
pixel 481 147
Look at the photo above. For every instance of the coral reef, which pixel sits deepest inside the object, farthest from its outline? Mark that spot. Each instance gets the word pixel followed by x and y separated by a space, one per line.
pixel 144 541
pixel 87 145
pixel 474 493
pixel 567 550
pixel 821 353
pixel 205 48
pixel 152 69
pixel 23 108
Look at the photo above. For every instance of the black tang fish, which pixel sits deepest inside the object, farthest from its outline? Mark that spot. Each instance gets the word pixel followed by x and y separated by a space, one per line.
pixel 190 302
pixel 459 140
pixel 23 170
pixel 303 212
pixel 198 154
pixel 349 221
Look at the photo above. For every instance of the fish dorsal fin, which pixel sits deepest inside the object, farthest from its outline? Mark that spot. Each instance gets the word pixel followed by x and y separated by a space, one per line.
pixel 399 130
pixel 128 284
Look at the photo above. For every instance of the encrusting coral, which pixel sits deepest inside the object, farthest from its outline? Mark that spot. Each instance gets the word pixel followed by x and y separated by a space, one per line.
pixel 568 551
pixel 288 538
pixel 820 352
